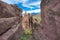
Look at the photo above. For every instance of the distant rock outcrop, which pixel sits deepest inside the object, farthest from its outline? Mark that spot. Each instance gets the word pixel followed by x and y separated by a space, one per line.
pixel 10 22
pixel 27 21
pixel 49 28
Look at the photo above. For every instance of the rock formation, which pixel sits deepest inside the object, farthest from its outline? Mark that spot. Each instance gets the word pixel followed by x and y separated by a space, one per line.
pixel 10 22
pixel 26 21
pixel 49 28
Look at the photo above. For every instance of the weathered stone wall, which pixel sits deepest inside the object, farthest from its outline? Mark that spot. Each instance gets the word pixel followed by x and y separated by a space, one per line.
pixel 10 22
pixel 49 28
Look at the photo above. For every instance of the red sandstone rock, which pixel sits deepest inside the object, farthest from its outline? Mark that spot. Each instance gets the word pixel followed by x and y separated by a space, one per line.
pixel 6 23
pixel 49 28
pixel 10 22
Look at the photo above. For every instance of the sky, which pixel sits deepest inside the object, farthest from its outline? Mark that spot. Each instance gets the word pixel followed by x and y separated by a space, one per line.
pixel 30 6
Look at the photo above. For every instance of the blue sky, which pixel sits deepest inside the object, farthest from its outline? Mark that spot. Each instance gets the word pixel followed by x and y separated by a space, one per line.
pixel 30 6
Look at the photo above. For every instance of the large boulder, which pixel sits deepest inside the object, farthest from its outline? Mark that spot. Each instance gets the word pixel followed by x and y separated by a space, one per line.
pixel 49 28
pixel 10 22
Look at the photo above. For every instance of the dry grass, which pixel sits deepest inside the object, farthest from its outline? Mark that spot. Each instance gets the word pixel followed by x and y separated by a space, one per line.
pixel 37 18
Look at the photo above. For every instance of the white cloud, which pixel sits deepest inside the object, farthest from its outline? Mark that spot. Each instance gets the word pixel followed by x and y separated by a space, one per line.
pixel 35 3
pixel 23 12
pixel 25 5
pixel 30 5
pixel 14 1
pixel 33 11
pixel 10 1
pixel 23 1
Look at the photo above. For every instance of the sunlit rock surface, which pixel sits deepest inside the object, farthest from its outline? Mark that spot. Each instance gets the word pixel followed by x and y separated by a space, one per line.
pixel 27 21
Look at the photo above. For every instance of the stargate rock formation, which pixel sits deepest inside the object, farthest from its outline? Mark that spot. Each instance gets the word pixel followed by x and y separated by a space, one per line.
pixel 49 28
pixel 10 22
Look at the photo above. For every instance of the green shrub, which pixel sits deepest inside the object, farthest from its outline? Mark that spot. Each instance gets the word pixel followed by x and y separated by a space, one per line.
pixel 27 34
pixel 28 31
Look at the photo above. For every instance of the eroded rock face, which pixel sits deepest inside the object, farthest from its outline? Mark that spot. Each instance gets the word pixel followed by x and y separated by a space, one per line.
pixel 9 10
pixel 27 21
pixel 10 22
pixel 6 23
pixel 49 28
